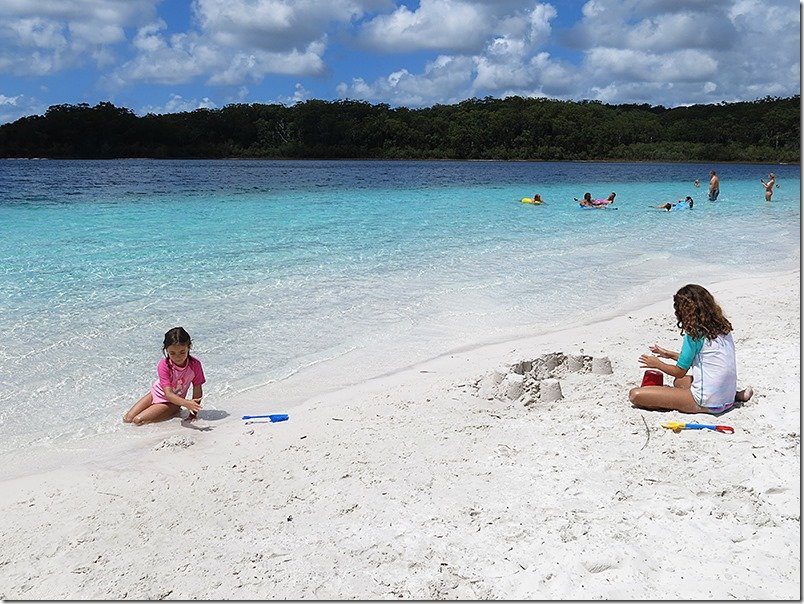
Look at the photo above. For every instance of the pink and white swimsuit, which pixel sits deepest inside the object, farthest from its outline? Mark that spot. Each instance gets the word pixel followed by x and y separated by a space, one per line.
pixel 177 378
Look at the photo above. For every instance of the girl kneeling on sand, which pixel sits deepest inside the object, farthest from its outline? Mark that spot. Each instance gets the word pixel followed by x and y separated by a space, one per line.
pixel 707 350
pixel 176 371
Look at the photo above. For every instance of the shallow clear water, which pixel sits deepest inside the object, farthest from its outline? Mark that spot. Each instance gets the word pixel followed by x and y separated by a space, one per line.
pixel 274 265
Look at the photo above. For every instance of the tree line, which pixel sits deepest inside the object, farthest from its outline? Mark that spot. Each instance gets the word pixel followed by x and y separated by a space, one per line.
pixel 514 128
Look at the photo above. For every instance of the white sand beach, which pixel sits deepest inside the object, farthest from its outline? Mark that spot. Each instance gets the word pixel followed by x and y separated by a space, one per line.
pixel 417 485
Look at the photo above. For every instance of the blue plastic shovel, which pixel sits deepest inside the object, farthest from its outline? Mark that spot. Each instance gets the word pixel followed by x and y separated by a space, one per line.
pixel 274 417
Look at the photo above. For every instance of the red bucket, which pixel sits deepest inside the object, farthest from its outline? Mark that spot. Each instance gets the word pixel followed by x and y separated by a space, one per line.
pixel 653 378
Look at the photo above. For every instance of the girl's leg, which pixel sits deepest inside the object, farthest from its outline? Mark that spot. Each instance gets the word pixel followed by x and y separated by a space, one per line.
pixel 664 398
pixel 138 407
pixel 742 396
pixel 683 382
pixel 157 413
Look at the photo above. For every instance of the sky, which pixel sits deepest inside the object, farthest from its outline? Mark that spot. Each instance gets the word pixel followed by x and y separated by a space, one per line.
pixel 166 56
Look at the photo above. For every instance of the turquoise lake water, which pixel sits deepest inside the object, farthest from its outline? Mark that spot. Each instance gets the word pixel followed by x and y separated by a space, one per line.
pixel 276 265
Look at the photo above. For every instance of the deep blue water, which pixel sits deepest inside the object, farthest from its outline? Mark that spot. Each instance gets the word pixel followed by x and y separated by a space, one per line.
pixel 274 265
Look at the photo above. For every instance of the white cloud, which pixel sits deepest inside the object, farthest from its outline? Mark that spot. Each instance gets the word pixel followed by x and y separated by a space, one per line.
pixel 685 52
pixel 300 94
pixel 443 81
pixel 665 52
pixel 180 58
pixel 637 65
pixel 177 104
pixel 656 51
pixel 272 25
pixel 15 107
pixel 510 63
pixel 508 57
pixel 41 37
pixel 255 65
pixel 38 33
pixel 175 59
pixel 148 39
pixel 9 100
pixel 100 11
pixel 540 18
pixel 435 24
pixel 97 33
pixel 241 41
pixel 456 25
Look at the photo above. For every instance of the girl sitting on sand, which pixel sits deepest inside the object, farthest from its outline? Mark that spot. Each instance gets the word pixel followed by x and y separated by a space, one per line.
pixel 707 350
pixel 176 371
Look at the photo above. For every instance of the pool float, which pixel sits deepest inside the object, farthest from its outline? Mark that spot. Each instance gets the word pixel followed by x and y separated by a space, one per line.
pixel 600 206
pixel 530 200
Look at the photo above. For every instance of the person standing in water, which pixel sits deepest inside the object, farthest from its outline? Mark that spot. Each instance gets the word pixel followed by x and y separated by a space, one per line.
pixel 714 186
pixel 769 186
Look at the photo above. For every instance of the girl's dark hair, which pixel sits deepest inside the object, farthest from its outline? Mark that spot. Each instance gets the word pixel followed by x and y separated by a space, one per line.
pixel 177 335
pixel 697 313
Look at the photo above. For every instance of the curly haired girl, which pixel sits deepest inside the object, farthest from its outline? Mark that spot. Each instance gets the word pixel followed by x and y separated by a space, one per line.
pixel 707 351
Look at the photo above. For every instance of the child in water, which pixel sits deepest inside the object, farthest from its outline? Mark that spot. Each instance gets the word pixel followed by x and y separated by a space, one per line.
pixel 588 202
pixel 608 200
pixel 679 204
pixel 176 371
pixel 707 351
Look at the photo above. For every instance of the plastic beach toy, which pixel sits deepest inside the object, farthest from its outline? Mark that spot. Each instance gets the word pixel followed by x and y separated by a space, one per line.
pixel 274 417
pixel 653 377
pixel 679 426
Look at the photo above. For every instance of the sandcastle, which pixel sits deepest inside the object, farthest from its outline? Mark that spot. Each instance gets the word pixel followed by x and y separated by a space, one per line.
pixel 537 380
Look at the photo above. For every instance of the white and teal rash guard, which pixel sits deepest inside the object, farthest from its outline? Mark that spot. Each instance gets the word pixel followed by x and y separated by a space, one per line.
pixel 713 366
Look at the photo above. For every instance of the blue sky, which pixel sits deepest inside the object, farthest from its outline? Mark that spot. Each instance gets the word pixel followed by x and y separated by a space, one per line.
pixel 165 56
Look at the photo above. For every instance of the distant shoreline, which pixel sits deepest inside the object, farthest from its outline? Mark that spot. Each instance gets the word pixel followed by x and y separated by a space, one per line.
pixel 397 159
pixel 510 129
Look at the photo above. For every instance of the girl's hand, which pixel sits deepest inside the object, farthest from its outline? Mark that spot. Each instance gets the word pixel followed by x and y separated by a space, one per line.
pixel 192 405
pixel 659 351
pixel 650 361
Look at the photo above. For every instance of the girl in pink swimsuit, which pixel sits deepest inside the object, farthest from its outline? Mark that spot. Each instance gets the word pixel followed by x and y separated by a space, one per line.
pixel 176 371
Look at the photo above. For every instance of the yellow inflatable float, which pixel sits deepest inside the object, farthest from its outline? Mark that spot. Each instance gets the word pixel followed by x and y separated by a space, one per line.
pixel 535 202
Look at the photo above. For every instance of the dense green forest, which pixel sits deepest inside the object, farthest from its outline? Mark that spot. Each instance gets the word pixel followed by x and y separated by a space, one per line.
pixel 515 128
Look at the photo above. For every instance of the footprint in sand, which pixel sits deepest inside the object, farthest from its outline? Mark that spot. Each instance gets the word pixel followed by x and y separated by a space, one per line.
pixel 175 442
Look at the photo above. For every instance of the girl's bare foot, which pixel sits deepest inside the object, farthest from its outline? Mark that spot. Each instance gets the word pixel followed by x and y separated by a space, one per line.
pixel 744 395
